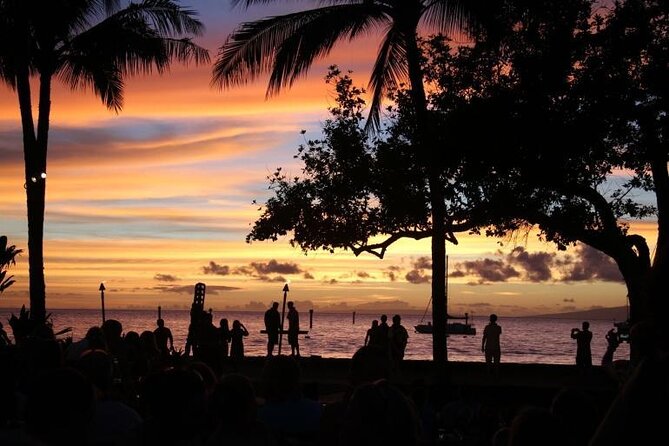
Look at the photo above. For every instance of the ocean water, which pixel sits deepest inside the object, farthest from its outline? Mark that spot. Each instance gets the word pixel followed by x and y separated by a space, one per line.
pixel 331 335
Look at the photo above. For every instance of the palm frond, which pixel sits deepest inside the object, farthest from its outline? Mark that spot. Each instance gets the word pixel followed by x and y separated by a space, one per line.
pixel 125 43
pixel 457 16
pixel 389 68
pixel 105 80
pixel 287 45
pixel 165 16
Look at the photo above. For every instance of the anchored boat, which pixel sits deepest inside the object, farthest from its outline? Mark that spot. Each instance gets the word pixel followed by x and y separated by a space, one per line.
pixel 452 328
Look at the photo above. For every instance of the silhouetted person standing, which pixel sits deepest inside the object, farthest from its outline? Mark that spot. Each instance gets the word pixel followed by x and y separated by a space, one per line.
pixel 237 334
pixel 612 343
pixel 224 338
pixel 272 324
pixel 163 338
pixel 384 333
pixel 583 338
pixel 293 329
pixel 371 338
pixel 490 343
pixel 398 337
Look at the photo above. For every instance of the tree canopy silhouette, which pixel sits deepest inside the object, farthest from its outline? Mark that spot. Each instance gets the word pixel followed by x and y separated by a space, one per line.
pixel 286 46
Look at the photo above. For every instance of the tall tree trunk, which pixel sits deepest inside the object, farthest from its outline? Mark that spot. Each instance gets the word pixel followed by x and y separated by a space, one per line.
pixel 34 153
pixel 34 186
pixel 429 156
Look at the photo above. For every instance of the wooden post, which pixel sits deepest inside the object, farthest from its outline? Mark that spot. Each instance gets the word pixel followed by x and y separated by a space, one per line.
pixel 102 300
pixel 354 318
pixel 160 316
pixel 283 315
pixel 311 318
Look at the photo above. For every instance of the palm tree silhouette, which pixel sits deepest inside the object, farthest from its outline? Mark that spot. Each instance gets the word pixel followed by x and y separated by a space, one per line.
pixel 286 46
pixel 86 44
pixel 8 254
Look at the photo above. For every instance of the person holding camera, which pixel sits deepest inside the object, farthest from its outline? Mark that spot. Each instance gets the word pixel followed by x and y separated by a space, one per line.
pixel 583 338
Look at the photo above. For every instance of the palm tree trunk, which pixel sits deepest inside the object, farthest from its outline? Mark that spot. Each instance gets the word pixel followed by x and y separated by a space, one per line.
pixel 34 152
pixel 438 208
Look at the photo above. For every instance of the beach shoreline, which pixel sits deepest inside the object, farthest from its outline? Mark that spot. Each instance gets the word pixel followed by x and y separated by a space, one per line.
pixel 513 384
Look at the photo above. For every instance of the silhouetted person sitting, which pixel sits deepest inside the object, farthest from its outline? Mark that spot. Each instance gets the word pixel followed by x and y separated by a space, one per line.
pixel 377 414
pixel 368 364
pixel 577 415
pixel 286 411
pixel 94 340
pixel 150 358
pixel 116 347
pixel 59 408
pixel 235 409
pixel 583 338
pixel 113 420
pixel 173 407
pixel 533 426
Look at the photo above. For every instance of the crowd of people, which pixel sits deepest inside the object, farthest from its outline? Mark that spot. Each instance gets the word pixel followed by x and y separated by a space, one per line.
pixel 116 388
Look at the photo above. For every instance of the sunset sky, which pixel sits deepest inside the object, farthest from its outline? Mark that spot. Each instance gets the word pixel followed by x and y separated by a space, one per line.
pixel 159 197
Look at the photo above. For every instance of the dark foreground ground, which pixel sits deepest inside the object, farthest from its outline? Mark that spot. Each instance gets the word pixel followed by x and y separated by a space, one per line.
pixel 513 384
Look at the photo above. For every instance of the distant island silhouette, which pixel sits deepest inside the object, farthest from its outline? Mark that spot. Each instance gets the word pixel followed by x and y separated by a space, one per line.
pixel 609 313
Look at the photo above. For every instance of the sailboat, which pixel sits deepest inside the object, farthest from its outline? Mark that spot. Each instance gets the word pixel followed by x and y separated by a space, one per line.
pixel 455 328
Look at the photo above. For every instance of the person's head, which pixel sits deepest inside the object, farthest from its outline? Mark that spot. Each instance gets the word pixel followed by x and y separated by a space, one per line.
pixel 234 401
pixel 98 367
pixel 148 341
pixel 96 338
pixel 112 329
pixel 224 323
pixel 375 323
pixel 535 425
pixel 58 403
pixel 236 324
pixel 160 322
pixel 368 364
pixel 281 378
pixel 585 325
pixel 384 318
pixel 380 413
pixel 291 304
pixel 493 317
pixel 132 338
pixel 275 305
pixel 397 319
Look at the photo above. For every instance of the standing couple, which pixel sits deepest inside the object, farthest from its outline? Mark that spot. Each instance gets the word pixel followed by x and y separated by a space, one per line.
pixel 273 326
